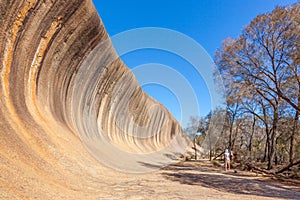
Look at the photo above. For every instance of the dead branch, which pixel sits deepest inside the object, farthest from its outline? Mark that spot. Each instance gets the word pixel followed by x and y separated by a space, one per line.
pixel 288 166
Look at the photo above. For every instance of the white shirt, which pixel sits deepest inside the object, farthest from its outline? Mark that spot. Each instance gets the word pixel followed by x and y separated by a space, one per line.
pixel 227 156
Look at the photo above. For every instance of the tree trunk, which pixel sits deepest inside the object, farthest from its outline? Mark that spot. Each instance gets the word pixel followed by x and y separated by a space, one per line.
pixel 266 150
pixel 271 150
pixel 267 134
pixel 195 147
pixel 251 136
pixel 276 153
pixel 272 138
pixel 234 138
pixel 230 136
pixel 292 138
pixel 231 123
pixel 210 156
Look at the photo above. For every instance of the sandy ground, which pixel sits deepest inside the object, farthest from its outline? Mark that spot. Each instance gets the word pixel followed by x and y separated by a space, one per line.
pixel 200 180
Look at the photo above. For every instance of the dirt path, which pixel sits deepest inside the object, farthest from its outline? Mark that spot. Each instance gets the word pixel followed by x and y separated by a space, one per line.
pixel 200 180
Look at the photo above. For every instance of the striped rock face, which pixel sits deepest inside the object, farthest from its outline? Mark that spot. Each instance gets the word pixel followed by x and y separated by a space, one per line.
pixel 71 111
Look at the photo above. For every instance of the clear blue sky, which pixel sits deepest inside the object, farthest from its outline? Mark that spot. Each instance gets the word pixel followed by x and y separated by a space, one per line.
pixel 206 21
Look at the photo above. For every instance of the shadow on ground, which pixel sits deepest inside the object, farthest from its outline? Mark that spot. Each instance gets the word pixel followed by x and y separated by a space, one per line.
pixel 229 182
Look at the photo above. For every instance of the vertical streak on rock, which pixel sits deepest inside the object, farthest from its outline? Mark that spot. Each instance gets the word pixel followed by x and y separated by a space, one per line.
pixel 10 44
pixel 7 61
pixel 31 100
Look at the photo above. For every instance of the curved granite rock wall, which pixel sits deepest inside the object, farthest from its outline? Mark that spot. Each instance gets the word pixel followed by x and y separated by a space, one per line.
pixel 67 102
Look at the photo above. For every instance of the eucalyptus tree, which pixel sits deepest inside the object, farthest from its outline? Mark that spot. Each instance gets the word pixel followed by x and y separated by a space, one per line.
pixel 263 63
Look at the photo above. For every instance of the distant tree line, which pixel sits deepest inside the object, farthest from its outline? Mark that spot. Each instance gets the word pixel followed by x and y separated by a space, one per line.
pixel 261 74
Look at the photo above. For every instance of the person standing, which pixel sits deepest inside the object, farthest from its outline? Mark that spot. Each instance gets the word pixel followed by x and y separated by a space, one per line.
pixel 227 159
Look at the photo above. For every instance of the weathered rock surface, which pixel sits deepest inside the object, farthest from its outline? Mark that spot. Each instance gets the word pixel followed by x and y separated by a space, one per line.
pixel 69 106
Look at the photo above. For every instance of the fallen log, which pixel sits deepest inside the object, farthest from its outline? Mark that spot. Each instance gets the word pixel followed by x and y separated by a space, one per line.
pixel 284 168
pixel 288 166
pixel 251 166
pixel 276 174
